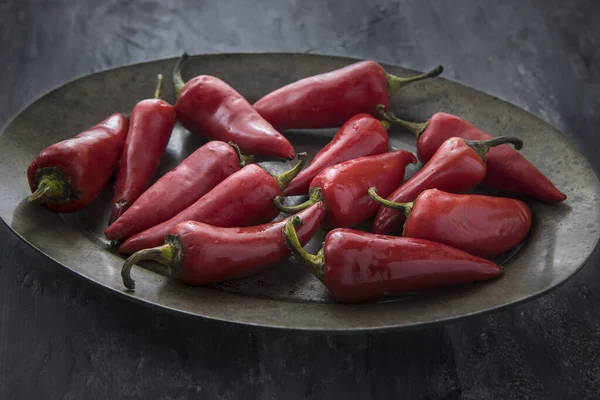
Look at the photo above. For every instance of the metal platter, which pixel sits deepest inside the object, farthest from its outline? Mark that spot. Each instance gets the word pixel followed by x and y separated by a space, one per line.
pixel 286 296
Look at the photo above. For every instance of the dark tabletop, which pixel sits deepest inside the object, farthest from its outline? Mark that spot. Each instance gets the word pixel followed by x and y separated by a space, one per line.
pixel 63 338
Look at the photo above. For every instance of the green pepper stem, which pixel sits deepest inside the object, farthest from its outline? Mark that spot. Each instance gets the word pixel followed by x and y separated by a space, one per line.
pixel 50 188
pixel 314 262
pixel 395 82
pixel 245 159
pixel 405 208
pixel 178 82
pixel 315 195
pixel 416 128
pixel 159 84
pixel 483 146
pixel 164 254
pixel 286 177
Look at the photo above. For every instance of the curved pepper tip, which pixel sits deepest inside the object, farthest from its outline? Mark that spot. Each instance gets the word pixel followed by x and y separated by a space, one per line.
pixel 416 128
pixel 285 178
pixel 178 82
pixel 297 221
pixel 315 196
pixel 245 159
pixel 52 187
pixel 165 254
pixel 395 82
pixel 40 195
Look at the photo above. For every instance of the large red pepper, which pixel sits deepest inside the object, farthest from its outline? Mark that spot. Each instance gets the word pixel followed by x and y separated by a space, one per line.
pixel 362 135
pixel 200 254
pixel 208 106
pixel 67 176
pixel 244 198
pixel 507 170
pixel 344 187
pixel 484 226
pixel 328 100
pixel 179 188
pixel 150 126
pixel 358 266
pixel 458 165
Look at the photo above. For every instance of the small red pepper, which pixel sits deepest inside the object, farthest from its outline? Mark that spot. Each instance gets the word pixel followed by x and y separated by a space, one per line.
pixel 344 187
pixel 200 254
pixel 483 226
pixel 67 176
pixel 358 266
pixel 208 106
pixel 328 100
pixel 150 126
pixel 179 188
pixel 507 170
pixel 458 165
pixel 362 135
pixel 244 198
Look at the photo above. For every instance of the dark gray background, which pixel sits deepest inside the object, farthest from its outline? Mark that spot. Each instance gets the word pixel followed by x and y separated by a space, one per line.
pixel 61 337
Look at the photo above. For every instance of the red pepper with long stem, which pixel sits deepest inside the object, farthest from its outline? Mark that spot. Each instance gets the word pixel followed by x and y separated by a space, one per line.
pixel 67 176
pixel 362 135
pixel 344 187
pixel 358 266
pixel 507 170
pixel 200 254
pixel 483 226
pixel 244 198
pixel 458 165
pixel 150 126
pixel 179 188
pixel 330 99
pixel 210 107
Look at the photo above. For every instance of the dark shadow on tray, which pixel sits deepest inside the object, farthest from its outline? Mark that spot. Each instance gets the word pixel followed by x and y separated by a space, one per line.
pixel 190 141
pixel 33 221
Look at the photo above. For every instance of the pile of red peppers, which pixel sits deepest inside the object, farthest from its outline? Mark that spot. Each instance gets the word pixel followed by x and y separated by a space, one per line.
pixel 214 217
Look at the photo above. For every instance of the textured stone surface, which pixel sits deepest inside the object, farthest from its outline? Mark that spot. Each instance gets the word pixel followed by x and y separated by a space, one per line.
pixel 61 337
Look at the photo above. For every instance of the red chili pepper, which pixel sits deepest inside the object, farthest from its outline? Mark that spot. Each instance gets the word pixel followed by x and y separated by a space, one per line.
pixel 150 126
pixel 328 100
pixel 362 135
pixel 244 198
pixel 344 187
pixel 483 226
pixel 68 175
pixel 208 106
pixel 507 170
pixel 358 266
pixel 179 188
pixel 199 254
pixel 458 165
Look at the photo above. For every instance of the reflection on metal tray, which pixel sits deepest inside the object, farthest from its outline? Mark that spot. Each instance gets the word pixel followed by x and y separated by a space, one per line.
pixel 287 296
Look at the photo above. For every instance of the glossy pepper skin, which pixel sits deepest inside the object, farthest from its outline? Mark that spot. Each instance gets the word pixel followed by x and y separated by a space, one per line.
pixel 344 187
pixel 483 226
pixel 179 188
pixel 507 170
pixel 358 266
pixel 150 126
pixel 200 254
pixel 244 198
pixel 456 167
pixel 67 176
pixel 210 107
pixel 362 135
pixel 330 99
